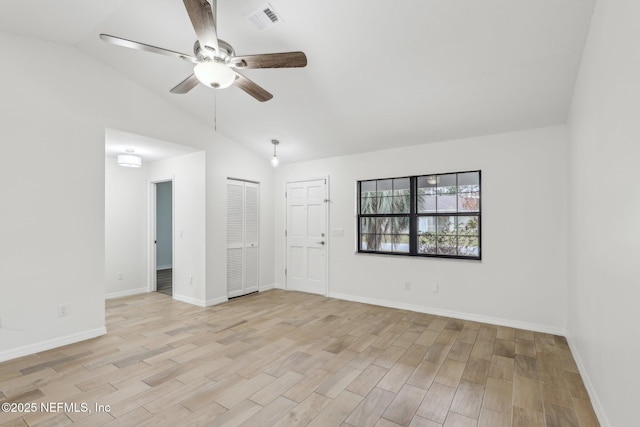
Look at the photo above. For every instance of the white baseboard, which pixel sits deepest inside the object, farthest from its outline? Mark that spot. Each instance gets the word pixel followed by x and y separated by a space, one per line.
pixel 267 287
pixel 49 344
pixel 593 396
pixel 126 293
pixel 455 314
pixel 279 286
pixel 163 267
pixel 216 301
pixel 189 300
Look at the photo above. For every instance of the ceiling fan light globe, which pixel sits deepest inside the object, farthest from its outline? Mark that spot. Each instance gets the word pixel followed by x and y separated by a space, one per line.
pixel 214 74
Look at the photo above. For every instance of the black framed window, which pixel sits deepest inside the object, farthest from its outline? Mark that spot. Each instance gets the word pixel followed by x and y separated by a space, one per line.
pixel 427 215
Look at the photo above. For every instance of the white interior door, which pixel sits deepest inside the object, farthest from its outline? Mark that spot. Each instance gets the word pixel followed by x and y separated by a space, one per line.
pixel 306 236
pixel 242 237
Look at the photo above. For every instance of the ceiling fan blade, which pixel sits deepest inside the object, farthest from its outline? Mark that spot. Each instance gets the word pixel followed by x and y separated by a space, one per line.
pixel 146 47
pixel 186 85
pixel 252 88
pixel 203 19
pixel 270 60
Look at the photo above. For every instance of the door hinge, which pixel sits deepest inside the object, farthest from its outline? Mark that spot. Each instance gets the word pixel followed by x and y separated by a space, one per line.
pixel 285 233
pixel 285 271
pixel 285 194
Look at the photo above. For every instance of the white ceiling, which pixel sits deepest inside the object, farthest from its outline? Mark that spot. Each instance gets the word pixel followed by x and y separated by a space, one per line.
pixel 150 149
pixel 379 74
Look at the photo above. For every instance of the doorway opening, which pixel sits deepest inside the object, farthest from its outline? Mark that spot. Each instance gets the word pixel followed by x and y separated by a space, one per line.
pixel 163 237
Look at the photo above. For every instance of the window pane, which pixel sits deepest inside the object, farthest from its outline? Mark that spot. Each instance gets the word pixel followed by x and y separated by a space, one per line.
pixel 396 234
pixel 468 246
pixel 469 182
pixel 427 243
pixel 385 199
pixel 468 226
pixel 386 244
pixel 394 243
pixel 428 183
pixel 447 183
pixel 427 235
pixel 393 196
pixel 388 234
pixel 401 243
pixel 446 193
pixel 368 200
pixel 400 225
pixel 401 195
pixel 383 226
pixel 427 224
pixel 367 225
pixel 469 202
pixel 426 197
pixel 368 205
pixel 446 224
pixel 401 186
pixel 447 244
pixel 426 203
pixel 368 187
pixel 368 234
pixel 447 202
pixel 384 187
pixel 368 242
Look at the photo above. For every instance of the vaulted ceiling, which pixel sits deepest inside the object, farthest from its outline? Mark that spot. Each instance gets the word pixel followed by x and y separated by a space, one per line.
pixel 379 74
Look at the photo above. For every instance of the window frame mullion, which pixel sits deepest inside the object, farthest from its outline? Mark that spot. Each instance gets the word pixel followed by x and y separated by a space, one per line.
pixel 413 218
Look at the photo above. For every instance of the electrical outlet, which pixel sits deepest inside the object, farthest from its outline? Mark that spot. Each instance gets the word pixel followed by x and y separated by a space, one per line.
pixel 407 286
pixel 63 310
pixel 120 276
pixel 434 287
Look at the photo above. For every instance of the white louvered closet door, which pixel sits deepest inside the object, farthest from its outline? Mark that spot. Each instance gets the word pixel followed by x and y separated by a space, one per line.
pixel 242 237
pixel 250 237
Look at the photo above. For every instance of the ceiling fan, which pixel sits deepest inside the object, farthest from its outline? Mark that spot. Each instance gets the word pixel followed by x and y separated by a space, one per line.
pixel 216 63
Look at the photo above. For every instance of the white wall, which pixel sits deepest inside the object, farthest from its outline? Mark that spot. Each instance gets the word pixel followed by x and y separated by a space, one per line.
pixel 188 174
pixel 52 211
pixel 521 279
pixel 125 229
pixel 604 248
pixel 232 161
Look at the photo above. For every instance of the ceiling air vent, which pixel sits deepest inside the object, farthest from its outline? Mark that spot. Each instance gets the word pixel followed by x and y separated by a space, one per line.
pixel 264 17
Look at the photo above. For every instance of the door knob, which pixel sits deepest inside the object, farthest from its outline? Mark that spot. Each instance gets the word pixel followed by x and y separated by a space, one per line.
pixel 320 243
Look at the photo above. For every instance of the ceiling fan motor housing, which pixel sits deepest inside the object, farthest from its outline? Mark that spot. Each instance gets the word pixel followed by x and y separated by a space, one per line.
pixel 206 53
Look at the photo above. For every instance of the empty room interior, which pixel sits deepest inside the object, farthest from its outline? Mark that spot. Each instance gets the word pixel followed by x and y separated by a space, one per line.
pixel 356 213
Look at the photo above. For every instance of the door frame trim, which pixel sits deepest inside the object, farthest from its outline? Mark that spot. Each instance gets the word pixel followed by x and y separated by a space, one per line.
pixel 152 284
pixel 327 228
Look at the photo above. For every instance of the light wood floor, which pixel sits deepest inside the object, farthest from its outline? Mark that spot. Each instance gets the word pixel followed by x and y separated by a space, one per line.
pixel 288 359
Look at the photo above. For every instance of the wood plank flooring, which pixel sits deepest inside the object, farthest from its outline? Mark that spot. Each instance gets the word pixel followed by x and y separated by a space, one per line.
pixel 293 359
